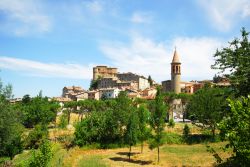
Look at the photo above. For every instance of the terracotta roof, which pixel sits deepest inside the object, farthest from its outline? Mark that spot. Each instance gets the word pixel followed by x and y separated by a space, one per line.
pixel 176 57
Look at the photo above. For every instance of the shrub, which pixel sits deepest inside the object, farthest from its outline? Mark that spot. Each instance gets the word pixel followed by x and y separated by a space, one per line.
pixel 171 123
pixel 63 121
pixel 186 130
pixel 36 136
pixel 172 138
pixel 42 157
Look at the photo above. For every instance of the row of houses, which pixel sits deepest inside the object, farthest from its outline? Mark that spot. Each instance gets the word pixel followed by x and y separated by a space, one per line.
pixel 76 93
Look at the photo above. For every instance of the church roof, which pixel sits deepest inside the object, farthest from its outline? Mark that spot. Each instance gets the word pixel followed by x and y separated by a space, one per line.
pixel 176 57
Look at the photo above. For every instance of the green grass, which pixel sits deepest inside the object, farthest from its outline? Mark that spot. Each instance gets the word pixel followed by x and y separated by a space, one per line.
pixel 58 155
pixel 184 150
pixel 92 161
pixel 21 160
pixel 3 159
pixel 192 155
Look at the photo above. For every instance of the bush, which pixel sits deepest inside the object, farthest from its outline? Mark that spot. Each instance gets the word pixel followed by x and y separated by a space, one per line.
pixel 201 138
pixel 36 136
pixel 63 121
pixel 42 157
pixel 186 130
pixel 171 123
pixel 172 138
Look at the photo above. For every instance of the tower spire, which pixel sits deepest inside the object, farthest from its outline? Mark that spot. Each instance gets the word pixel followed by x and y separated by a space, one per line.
pixel 176 57
pixel 176 73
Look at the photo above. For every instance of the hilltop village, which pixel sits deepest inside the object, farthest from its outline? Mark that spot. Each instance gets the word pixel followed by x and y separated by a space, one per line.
pixel 108 82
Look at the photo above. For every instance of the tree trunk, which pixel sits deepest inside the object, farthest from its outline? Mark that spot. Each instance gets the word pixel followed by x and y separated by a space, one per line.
pixel 158 154
pixel 79 116
pixel 68 117
pixel 213 131
pixel 129 152
pixel 141 146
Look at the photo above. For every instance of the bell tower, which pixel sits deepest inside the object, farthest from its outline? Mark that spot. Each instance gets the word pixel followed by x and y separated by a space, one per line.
pixel 176 73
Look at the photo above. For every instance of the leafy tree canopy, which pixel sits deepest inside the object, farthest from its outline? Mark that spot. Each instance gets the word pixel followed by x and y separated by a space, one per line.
pixel 236 128
pixel 236 59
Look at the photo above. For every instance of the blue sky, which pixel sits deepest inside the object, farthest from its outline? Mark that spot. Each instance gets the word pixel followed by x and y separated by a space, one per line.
pixel 46 45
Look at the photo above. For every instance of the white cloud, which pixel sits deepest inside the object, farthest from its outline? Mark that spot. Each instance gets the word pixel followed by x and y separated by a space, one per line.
pixel 146 57
pixel 25 17
pixel 196 55
pixel 141 17
pixel 35 68
pixel 223 14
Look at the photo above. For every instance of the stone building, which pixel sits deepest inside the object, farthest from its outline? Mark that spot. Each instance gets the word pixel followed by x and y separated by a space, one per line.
pixel 141 80
pixel 74 93
pixel 109 78
pixel 104 72
pixel 109 92
pixel 94 95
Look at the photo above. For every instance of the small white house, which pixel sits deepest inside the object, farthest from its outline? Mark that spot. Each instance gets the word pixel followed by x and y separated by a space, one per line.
pixel 109 92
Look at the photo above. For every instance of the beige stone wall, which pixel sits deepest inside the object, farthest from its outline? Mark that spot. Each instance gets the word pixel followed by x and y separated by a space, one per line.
pixel 104 72
pixel 176 86
pixel 166 86
pixel 107 83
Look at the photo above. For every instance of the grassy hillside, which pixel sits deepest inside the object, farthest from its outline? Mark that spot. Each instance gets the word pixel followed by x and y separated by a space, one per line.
pixel 175 152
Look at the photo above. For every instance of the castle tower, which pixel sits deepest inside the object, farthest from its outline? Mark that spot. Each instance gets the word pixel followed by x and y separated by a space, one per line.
pixel 176 73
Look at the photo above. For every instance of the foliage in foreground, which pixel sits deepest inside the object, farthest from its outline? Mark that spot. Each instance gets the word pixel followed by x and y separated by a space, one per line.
pixel 42 156
pixel 236 59
pixel 10 125
pixel 38 110
pixel 158 110
pixel 235 127
pixel 207 105
pixel 106 128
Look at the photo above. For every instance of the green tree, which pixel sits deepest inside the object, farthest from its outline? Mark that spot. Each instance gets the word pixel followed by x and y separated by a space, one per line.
pixel 86 106
pixel 71 107
pixel 42 156
pixel 26 99
pixel 6 91
pixel 10 131
pixel 185 98
pixel 157 122
pixel 105 128
pixel 94 83
pixel 207 105
pixel 186 131
pixel 36 136
pixel 10 124
pixel 150 80
pixel 171 123
pixel 235 58
pixel 236 128
pixel 39 110
pixel 169 97
pixel 63 121
pixel 131 134
pixel 144 132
